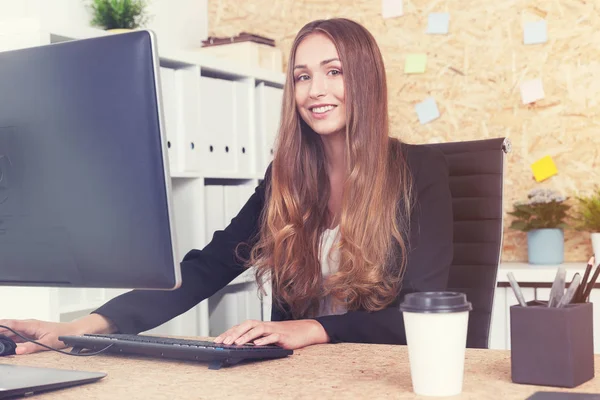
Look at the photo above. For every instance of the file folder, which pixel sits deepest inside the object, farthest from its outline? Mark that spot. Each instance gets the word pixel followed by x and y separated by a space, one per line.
pixel 169 99
pixel 189 136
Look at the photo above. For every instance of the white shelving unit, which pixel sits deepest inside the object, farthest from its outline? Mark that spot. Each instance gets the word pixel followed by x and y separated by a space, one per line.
pixel 219 124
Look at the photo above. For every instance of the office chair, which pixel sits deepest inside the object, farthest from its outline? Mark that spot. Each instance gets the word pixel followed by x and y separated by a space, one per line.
pixel 476 183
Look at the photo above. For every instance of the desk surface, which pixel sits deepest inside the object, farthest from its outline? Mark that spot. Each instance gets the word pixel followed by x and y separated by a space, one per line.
pixel 324 371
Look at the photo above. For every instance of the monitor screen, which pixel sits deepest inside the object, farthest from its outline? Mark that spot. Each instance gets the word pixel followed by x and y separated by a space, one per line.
pixel 84 181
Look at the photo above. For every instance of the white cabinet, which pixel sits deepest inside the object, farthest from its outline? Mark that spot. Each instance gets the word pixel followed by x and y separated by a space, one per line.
pixel 215 161
pixel 535 282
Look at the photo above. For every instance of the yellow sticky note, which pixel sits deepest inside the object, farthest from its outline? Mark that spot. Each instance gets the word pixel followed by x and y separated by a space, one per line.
pixel 532 91
pixel 415 63
pixel 544 168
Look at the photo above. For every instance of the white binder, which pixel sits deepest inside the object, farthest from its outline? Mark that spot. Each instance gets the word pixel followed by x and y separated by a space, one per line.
pixel 187 84
pixel 245 192
pixel 224 311
pixel 245 127
pixel 215 210
pixel 216 112
pixel 231 202
pixel 268 112
pixel 169 100
pixel 274 98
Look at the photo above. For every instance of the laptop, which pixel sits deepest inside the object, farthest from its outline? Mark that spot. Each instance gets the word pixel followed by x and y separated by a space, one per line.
pixel 18 380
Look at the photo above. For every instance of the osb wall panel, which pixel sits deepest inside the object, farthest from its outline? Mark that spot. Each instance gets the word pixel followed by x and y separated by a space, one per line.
pixel 474 74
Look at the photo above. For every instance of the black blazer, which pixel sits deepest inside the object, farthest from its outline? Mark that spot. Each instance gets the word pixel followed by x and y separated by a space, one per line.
pixel 206 271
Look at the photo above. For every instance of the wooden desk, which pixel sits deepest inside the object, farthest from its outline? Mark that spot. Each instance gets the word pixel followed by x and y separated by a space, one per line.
pixel 325 371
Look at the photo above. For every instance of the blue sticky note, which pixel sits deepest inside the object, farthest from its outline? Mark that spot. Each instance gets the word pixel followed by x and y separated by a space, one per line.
pixel 535 32
pixel 438 23
pixel 427 110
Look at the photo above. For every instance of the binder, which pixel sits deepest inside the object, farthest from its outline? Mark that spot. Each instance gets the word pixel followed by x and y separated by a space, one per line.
pixel 235 197
pixel 215 210
pixel 274 97
pixel 169 100
pixel 189 133
pixel 245 127
pixel 251 302
pixel 223 309
pixel 188 197
pixel 231 202
pixel 245 191
pixel 268 115
pixel 216 112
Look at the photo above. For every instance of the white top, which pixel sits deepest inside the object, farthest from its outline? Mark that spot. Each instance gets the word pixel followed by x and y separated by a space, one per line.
pixel 329 265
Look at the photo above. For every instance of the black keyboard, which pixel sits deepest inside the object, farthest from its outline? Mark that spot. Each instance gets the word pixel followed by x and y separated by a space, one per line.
pixel 217 355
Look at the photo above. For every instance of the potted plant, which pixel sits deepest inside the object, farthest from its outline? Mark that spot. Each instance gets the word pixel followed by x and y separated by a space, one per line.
pixel 117 16
pixel 587 218
pixel 543 216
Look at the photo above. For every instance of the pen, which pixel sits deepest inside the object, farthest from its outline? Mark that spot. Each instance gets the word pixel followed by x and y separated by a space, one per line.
pixel 577 298
pixel 573 287
pixel 517 289
pixel 558 287
pixel 590 285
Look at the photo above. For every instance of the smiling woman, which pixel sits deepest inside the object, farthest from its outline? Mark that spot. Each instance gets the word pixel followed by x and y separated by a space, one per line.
pixel 338 165
pixel 346 222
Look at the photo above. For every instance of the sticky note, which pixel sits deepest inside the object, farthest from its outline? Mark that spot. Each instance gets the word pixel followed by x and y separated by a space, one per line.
pixel 391 8
pixel 535 32
pixel 532 91
pixel 427 110
pixel 544 168
pixel 415 63
pixel 438 23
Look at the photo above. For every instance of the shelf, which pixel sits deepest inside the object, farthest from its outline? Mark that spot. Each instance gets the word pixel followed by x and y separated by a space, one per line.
pixel 198 175
pixel 186 175
pixel 176 56
pixel 524 272
pixel 211 63
pixel 217 175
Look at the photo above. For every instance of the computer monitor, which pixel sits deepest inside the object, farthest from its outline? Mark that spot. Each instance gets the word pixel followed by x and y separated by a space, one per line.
pixel 84 180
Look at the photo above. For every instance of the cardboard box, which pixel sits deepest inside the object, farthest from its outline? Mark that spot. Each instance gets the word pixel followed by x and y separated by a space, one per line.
pixel 247 49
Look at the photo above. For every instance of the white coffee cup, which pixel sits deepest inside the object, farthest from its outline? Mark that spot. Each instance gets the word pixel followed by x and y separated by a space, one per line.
pixel 436 334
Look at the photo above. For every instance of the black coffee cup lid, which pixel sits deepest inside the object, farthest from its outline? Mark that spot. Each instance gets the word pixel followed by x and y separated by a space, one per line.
pixel 435 302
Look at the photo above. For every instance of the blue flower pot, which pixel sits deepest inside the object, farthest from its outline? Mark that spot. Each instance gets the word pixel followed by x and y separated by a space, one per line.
pixel 546 246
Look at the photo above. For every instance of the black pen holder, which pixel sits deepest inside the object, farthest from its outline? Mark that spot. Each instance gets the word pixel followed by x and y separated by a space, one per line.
pixel 552 346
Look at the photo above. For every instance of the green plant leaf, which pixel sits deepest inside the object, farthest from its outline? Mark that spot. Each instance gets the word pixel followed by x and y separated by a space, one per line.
pixel 114 14
pixel 519 225
pixel 587 212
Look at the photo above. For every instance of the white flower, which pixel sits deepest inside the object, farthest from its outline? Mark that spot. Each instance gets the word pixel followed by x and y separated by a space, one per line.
pixel 544 196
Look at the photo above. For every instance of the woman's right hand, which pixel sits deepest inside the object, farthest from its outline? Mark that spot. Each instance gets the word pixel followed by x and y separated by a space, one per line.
pixel 47 333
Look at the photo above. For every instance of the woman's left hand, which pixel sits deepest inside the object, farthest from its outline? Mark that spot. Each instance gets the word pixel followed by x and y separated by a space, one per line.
pixel 287 334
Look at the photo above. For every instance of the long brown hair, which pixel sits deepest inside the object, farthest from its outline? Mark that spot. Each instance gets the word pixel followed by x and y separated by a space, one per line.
pixel 374 220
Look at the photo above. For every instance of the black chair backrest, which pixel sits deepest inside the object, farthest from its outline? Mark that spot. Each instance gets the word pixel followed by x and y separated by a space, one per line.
pixel 476 182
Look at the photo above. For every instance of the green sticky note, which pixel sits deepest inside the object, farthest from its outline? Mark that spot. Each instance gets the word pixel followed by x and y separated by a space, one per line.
pixel 415 63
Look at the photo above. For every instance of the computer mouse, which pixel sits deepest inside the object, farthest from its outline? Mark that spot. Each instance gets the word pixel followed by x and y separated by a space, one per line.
pixel 7 346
